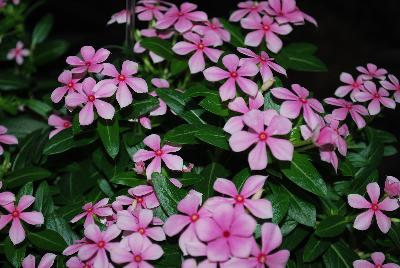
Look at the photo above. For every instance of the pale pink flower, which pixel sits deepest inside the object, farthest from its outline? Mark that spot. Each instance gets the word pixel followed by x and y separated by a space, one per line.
pixel 47 261
pixel 264 62
pixel 371 72
pixel 74 248
pixel 235 74
pixel 227 233
pixel 75 262
pixel 145 122
pixel 249 9
pixel 392 85
pixel 17 214
pixel 58 123
pixel 376 98
pixel 181 18
pixel 294 103
pixel 98 245
pixel 91 95
pixel 137 252
pixel 141 196
pixel 119 17
pixel 147 12
pixel 162 108
pixel 378 258
pixel 356 111
pixel 124 79
pixel 392 186
pixel 6 197
pixel 188 168
pixel 271 238
pixel 199 46
pixel 158 154
pixel 214 30
pixel 374 208
pixel 140 168
pixel 6 138
pixel 266 28
pixel 353 86
pixel 137 48
pixel 263 137
pixel 18 53
pixel 91 61
pixel 70 85
pixel 100 209
pixel 286 11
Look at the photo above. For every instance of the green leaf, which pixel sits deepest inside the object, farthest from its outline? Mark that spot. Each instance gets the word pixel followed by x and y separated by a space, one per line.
pixel 200 90
pixel 280 206
pixel 174 99
pixel 159 46
pixel 167 193
pixel 144 106
pixel 301 211
pixel 237 38
pixel 47 240
pixel 61 226
pixel 394 234
pixel 14 254
pixel 9 82
pixel 43 200
pixel 269 102
pixel 193 116
pixel 109 135
pixel 191 178
pixel 26 189
pixel 178 66
pixel 127 179
pixel 214 105
pixel 14 125
pixel 339 255
pixel 42 29
pixel 295 238
pixel 39 107
pixel 240 178
pixel 25 175
pixel 105 187
pixel 183 134
pixel 49 51
pixel 210 174
pixel 314 248
pixel 303 173
pixel 65 141
pixel 331 226
pixel 298 48
pixel 213 135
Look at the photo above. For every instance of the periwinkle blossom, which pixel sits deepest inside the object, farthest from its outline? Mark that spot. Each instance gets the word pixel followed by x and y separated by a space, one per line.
pixel 214 30
pixel 235 74
pixel 70 84
pixel 147 11
pixel 353 86
pixel 374 208
pixel 162 108
pixel 16 215
pixel 58 123
pixel 372 71
pixel 91 61
pixel 125 80
pixel 256 120
pixel 356 111
pixel 378 259
pixel 265 28
pixel 18 53
pixel 141 196
pixel 249 9
pixel 376 97
pixel 285 11
pixel 100 209
pixel 91 97
pixel 6 197
pixel 6 138
pixel 200 47
pixel 46 261
pixel 393 85
pixel 392 187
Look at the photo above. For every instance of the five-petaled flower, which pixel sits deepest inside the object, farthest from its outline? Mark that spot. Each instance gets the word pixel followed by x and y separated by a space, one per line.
pixel 378 258
pixel 353 86
pixel 100 209
pixel 18 53
pixel 376 98
pixel 70 84
pixel 58 123
pixel 6 138
pixel 91 61
pixel 356 111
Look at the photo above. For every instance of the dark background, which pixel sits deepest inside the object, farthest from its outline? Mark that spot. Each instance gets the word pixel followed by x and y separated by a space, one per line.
pixel 350 33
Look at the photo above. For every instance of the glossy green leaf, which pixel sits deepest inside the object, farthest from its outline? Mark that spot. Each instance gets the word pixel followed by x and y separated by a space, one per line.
pixel 43 199
pixel 210 174
pixel 47 240
pixel 9 82
pixel 159 46
pixel 240 178
pixel 49 51
pixel 213 135
pixel 294 239
pixel 14 254
pixel 22 176
pixel 331 226
pixel 128 178
pixel 65 141
pixel 237 38
pixel 109 135
pixel 314 248
pixel 182 134
pixel 280 206
pixel 214 105
pixel 144 106
pixel 42 29
pixel 174 99
pixel 339 255
pixel 178 66
pixel 200 90
pixel 62 227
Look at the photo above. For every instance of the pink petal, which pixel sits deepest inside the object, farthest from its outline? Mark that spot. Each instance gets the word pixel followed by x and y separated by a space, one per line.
pixel 126 221
pixel 274 43
pixel 357 201
pixel 156 233
pixel 153 141
pixel 207 229
pixel 183 48
pixel 154 166
pixel 124 96
pixel 75 99
pixel 254 38
pixel 271 237
pixel 173 162
pixel 374 192
pixel 93 233
pixel 228 90
pixel 143 155
pixel 243 225
pixel 47 260
pixel 183 24
pixel 247 86
pixel 87 52
pixel 281 149
pixel 196 62
pixel 363 264
pixel 33 218
pixel 374 107
pixel 278 259
pixel 240 246
pixel 17 232
pixel 109 70
pixel 225 187
pixel 111 233
pixel 104 109
pixel 231 62
pixel 258 157
pixel 190 204
pixel 378 257
pixel 389 204
pixel 218 250
pixel 255 120
pixel 25 202
pixel 234 124
pixel 213 74
pixel 260 208
pixel 29 262
pixel 363 221
pixel 242 140
pixel 119 255
pixel 383 221
pixel 153 252
pixel 101 55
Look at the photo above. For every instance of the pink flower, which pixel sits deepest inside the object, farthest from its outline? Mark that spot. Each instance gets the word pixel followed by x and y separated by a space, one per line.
pixel 98 245
pixel 70 85
pixel 200 46
pixel 99 209
pixel 91 60
pixel 234 75
pixel 176 223
pixel 140 224
pixel 137 253
pixel 377 97
pixel 18 53
pixel 363 221
pixel 46 262
pixel 392 186
pixel 119 17
pixel 6 138
pixel 75 262
pixel 378 258
pixel 346 107
pixel 158 154
pixel 227 233
pixel 214 30
pixel 162 108
pixel 181 18
pixel 17 232
pixel 392 85
pixel 149 11
pixel 91 95
pixel 271 238
pixel 124 79
pixel 285 11
pixel 264 62
pixel 353 85
pixel 294 103
pixel 140 168
pixel 142 196
pixel 249 9
pixel 257 134
pixel 6 197
pixel 372 71
pixel 59 123
pixel 74 248
pixel 265 27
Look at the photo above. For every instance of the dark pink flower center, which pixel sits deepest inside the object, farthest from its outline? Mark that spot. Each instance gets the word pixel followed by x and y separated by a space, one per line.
pixel 239 199
pixel 137 258
pixel 141 231
pixel 349 106
pixel 86 266
pixel 200 46
pixel 226 234
pixel 378 266
pixel 266 28
pixel 70 85
pixel 303 100
pixel 234 74
pixel 261 258
pixel 263 59
pixel 101 244
pixel 375 207
pixel 159 153
pixel 355 85
pixel 263 136
pixel 91 98
pixel 254 8
pixel 212 26
pixel 194 217
pixel 376 96
pixel 88 63
pixel 18 51
pixel 67 124
pixel 15 214
pixel 121 77
pixel 139 200
pixel 89 210
pixel 180 14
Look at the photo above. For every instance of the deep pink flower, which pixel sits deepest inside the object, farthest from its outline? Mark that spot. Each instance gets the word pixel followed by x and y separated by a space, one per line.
pixel 214 30
pixel 91 95
pixel 59 123
pixel 378 258
pixel 181 18
pixel 18 53
pixel 392 85
pixel 392 186
pixel 372 71
pixel 124 79
pixel 6 138
pixel 46 262
pixel 75 262
pixel 158 154
pixel 100 209
pixel 363 221
pixel 98 245
pixel 294 103
pixel 353 86
pixel 234 74
pixel 119 17
pixel 265 27
pixel 356 111
pixel 141 196
pixel 137 252
pixel 376 98
pixel 227 233
pixel 249 9
pixel 199 46
pixel 264 62
pixel 70 85
pixel 285 11
pixel 263 137
pixel 17 232
pixel 6 197
pixel 147 12
pixel 91 60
